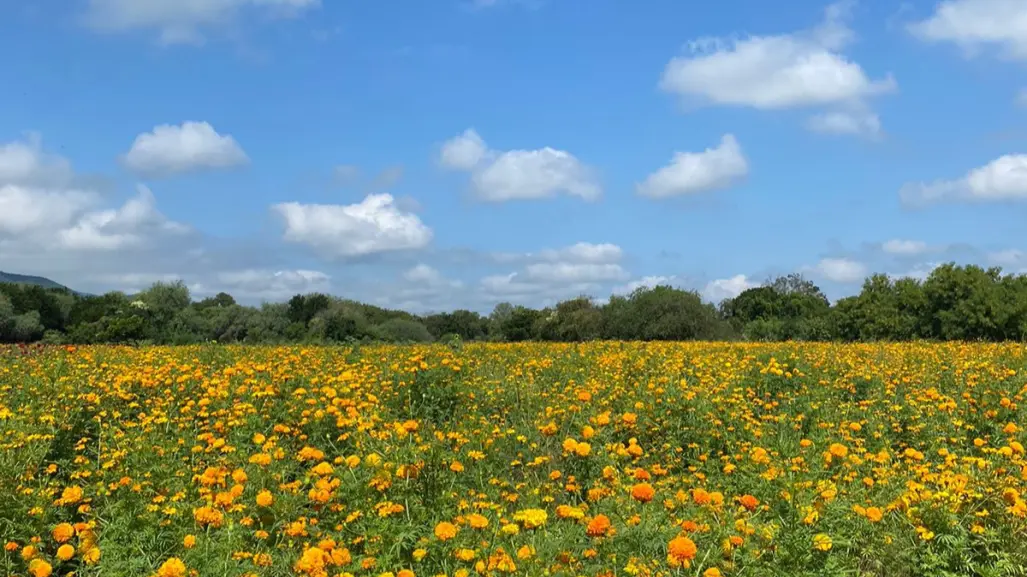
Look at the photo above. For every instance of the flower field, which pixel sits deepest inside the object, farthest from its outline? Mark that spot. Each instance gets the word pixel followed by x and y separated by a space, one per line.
pixel 539 459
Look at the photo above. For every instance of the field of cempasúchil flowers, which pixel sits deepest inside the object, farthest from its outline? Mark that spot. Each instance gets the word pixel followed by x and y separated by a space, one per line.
pixel 581 460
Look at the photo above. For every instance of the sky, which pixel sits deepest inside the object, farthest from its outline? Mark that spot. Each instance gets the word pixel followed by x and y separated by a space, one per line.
pixel 459 153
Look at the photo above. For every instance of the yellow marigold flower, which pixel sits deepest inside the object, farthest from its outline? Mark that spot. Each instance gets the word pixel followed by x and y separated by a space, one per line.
pixel 173 567
pixel 189 541
pixel 265 498
pixel 65 552
pixel 445 531
pixel 531 518
pixel 40 568
pixel 822 542
pixel 71 495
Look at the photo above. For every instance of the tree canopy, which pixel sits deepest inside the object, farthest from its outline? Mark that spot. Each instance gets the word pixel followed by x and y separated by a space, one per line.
pixel 952 303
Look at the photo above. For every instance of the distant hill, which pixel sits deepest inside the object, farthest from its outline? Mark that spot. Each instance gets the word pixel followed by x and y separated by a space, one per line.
pixel 10 277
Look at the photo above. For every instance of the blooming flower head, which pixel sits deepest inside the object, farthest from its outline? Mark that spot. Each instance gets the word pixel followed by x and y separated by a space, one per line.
pixel 680 551
pixel 445 531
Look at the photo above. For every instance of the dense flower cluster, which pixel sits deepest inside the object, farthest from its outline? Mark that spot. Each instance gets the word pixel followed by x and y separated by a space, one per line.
pixel 586 460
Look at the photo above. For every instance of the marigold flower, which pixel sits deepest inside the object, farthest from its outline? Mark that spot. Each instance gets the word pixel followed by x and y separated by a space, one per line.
pixel 680 551
pixel 445 531
pixel 643 492
pixel 63 532
pixel 65 552
pixel 598 526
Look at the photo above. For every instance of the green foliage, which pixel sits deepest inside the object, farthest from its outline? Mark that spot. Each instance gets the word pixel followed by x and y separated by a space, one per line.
pixel 399 330
pixel 953 303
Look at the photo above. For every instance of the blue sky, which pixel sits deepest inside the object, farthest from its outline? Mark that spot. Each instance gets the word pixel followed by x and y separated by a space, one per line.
pixel 433 155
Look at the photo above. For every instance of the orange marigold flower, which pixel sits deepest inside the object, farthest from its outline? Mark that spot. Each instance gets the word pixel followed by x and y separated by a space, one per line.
pixel 643 492
pixel 598 526
pixel 63 532
pixel 749 502
pixel 681 551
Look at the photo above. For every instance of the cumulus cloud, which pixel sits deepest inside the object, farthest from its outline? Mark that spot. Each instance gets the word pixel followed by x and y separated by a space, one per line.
pixel 42 209
pixel 1002 179
pixel 904 247
pixel 117 229
pixel 430 277
pixel 374 225
pixel 646 281
pixel 552 274
pixel 796 70
pixel 727 288
pixel 693 172
pixel 463 152
pixel 192 146
pixel 919 272
pixel 265 284
pixel 584 252
pixel 25 162
pixel 499 176
pixel 53 225
pixel 178 21
pixel 976 25
pixel 574 272
pixel 841 270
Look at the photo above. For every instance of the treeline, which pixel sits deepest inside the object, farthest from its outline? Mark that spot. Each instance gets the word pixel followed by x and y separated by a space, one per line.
pixel 952 303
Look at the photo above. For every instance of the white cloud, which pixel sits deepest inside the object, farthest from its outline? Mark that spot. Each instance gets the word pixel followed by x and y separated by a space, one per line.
pixel 24 162
pixel 30 211
pixel 572 273
pixel 727 288
pixel 904 247
pixel 585 252
pixel 841 270
pixel 692 172
pixel 919 272
pixel 169 150
pixel 797 70
pixel 646 281
pixel 555 274
pixel 974 25
pixel 499 176
pixel 429 277
pixel 1004 178
pixel 271 284
pixel 42 210
pixel 117 229
pixel 374 225
pixel 851 122
pixel 134 282
pixel 1008 258
pixel 181 21
pixel 463 152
